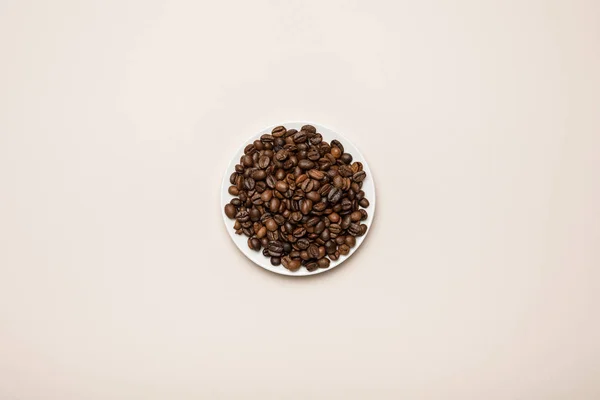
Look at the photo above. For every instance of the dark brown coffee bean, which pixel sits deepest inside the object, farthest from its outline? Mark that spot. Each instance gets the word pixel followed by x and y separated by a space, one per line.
pixel 323 263
pixel 306 164
pixel 275 246
pixel 334 195
pixel 262 232
pixel 266 138
pixel 364 203
pixel 259 175
pixel 363 229
pixel 306 206
pixel 309 129
pixel 274 204
pixel 337 144
pixel 319 207
pixel 350 241
pixel 312 266
pixel 242 216
pixel 313 154
pixel 299 232
pixel 320 227
pixel 313 251
pixel 233 190
pixel 359 176
pixel 334 256
pixel 266 196
pixel 282 155
pixel 281 186
pixel 356 216
pixel 278 131
pixel 346 158
pixel 325 235
pixel 314 196
pixel 254 244
pixel 254 214
pixel 303 243
pixel 338 181
pixel 344 249
pixel 271 225
pixel 345 222
pixel 300 137
pixel 354 229
pixel 336 152
pixel 275 261
pixel 249 183
pixel 296 217
pixel 295 254
pixel 316 139
pixel 363 214
pixel 304 255
pixel 236 202
pixel 316 174
pixel 230 211
pixel 271 181
pixel 335 228
pixel 294 265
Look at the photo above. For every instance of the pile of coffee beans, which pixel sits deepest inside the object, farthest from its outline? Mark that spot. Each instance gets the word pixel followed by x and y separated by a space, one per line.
pixel 298 198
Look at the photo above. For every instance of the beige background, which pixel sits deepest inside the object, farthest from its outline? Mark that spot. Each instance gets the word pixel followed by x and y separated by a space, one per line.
pixel 480 278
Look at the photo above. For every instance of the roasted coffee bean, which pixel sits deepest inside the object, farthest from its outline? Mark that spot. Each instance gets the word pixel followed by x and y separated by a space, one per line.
pixel 254 244
pixel 350 241
pixel 300 137
pixel 306 206
pixel 364 203
pixel 344 249
pixel 311 266
pixel 309 129
pixel 313 251
pixel 313 154
pixel 346 158
pixel 233 190
pixel 281 186
pixel 306 164
pixel 354 229
pixel 359 176
pixel 345 222
pixel 271 181
pixel 258 175
pixel 337 144
pixel 325 235
pixel 314 196
pixel 294 265
pixel 278 131
pixel 275 246
pixel 299 232
pixel 336 152
pixel 363 214
pixel 296 217
pixel 320 227
pixel 323 263
pixel 279 219
pixel 316 174
pixel 274 204
pixel 304 255
pixel 316 139
pixel 242 216
pixel 319 207
pixel 335 228
pixel 271 225
pixel 236 202
pixel 249 183
pixel 295 254
pixel 275 261
pixel 266 196
pixel 266 138
pixel 303 243
pixel 363 229
pixel 230 211
pixel 254 214
pixel 334 195
pixel 282 155
pixel 262 232
pixel 334 217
